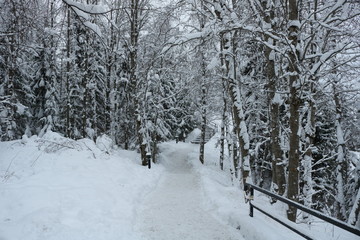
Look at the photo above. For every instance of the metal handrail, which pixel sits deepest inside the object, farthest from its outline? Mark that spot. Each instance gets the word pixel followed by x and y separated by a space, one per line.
pixel 315 213
pixel 282 223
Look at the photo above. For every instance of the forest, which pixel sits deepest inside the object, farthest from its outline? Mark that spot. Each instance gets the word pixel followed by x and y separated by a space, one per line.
pixel 279 80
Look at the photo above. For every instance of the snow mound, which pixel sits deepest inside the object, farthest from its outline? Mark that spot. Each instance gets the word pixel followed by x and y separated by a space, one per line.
pixel 56 188
pixel 53 142
pixel 104 143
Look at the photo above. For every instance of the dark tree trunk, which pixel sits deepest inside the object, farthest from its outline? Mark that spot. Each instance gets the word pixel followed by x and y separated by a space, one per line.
pixel 68 103
pixel 222 129
pixel 203 112
pixel 135 104
pixel 278 172
pixel 295 103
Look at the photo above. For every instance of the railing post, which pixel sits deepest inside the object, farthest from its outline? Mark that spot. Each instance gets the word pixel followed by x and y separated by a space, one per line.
pixel 148 157
pixel 251 197
pixel 251 214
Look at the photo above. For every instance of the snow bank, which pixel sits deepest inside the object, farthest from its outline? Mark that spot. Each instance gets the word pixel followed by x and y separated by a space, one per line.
pixel 227 203
pixel 57 188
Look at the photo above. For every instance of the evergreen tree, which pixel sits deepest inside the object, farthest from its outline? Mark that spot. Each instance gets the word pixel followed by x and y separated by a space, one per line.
pixel 17 17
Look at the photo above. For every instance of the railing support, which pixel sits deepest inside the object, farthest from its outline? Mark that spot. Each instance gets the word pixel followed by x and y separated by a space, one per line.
pixel 249 195
pixel 148 158
pixel 251 210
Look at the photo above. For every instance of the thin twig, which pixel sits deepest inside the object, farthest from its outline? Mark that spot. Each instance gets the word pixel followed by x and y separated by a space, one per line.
pixel 8 168
pixel 33 163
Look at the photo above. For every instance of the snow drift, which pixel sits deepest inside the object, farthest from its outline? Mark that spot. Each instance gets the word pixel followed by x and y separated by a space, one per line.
pixel 57 188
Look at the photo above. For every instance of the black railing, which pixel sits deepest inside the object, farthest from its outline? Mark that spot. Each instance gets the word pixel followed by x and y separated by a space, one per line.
pixel 249 188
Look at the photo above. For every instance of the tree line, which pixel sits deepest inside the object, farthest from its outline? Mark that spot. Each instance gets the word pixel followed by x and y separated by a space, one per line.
pixel 82 69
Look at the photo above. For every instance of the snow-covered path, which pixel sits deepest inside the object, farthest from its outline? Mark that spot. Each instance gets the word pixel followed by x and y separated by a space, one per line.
pixel 174 209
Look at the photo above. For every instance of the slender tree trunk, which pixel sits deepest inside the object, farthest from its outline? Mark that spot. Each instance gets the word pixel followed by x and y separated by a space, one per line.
pixel 85 92
pixel 10 75
pixel 68 68
pixel 230 144
pixel 154 143
pixel 294 155
pixel 140 135
pixel 309 130
pixel 274 99
pixel 354 217
pixel 308 155
pixel 295 103
pixel 340 159
pixel 225 63
pixel 109 64
pixel 50 112
pixel 225 73
pixel 134 36
pixel 276 152
pixel 203 122
pixel 228 61
pixel 240 125
pixel 203 104
pixel 223 124
pixel 235 156
pixel 203 90
pixel 278 173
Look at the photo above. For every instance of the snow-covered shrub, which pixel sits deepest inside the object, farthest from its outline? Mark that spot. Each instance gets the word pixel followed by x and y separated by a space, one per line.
pixel 104 143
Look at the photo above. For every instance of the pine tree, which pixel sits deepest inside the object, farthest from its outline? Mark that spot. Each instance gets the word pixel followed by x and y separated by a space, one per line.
pixel 17 18
pixel 46 80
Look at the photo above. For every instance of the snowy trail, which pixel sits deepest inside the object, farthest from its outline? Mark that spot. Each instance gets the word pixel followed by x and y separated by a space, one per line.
pixel 173 210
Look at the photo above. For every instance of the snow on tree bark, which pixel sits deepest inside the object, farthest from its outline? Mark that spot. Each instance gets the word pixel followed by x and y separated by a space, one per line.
pixel 274 99
pixel 354 217
pixel 340 158
pixel 202 76
pixel 295 103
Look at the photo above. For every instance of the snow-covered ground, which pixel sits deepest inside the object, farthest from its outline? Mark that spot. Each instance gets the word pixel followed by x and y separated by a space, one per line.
pixel 54 188
pixel 227 203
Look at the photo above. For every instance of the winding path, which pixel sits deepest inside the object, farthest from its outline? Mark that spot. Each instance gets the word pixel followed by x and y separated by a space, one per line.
pixel 173 210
